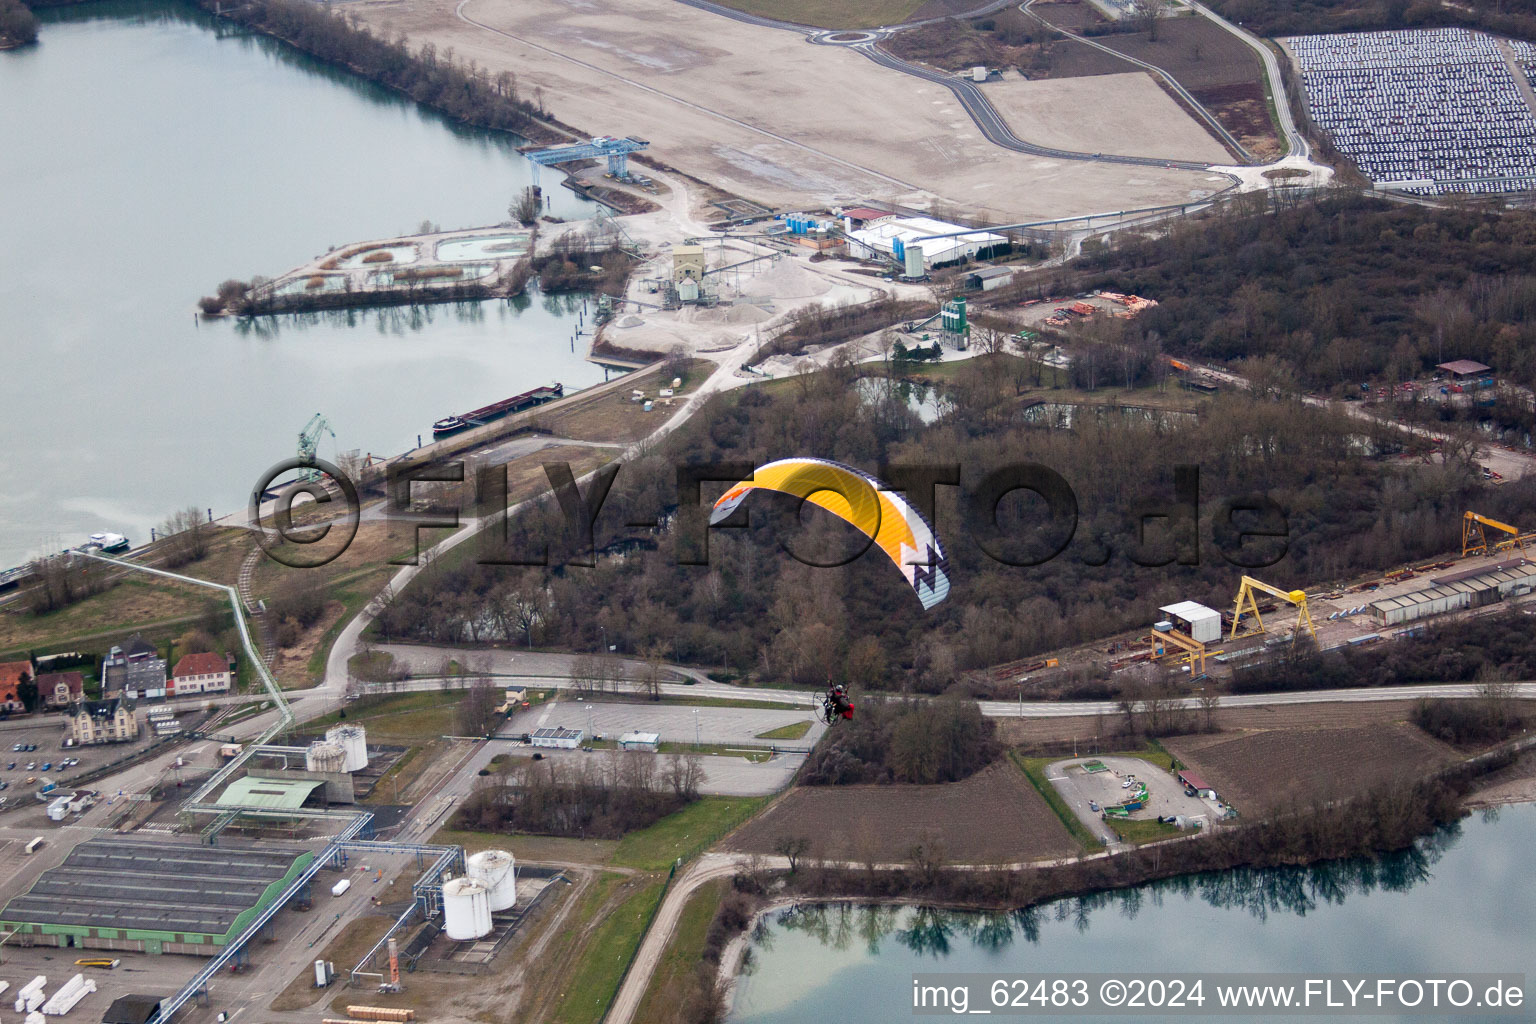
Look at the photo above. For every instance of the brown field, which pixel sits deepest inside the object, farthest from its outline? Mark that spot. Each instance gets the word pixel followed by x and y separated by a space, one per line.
pixel 993 817
pixel 1214 65
pixel 1342 715
pixel 835 13
pixel 1264 770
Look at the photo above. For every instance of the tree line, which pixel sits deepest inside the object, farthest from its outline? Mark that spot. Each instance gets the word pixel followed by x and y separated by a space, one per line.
pixel 760 612
pixel 18 26
pixel 1335 292
pixel 914 741
pixel 1300 17
pixel 598 796
pixel 462 90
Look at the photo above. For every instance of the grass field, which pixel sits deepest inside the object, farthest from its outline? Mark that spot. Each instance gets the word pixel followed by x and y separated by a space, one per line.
pixel 685 834
pixel 670 983
pixel 1034 770
pixel 1148 830
pixel 830 13
pixel 406 718
pixel 787 732
pixel 594 977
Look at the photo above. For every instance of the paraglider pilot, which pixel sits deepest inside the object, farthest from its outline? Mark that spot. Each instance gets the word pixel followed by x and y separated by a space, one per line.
pixel 836 704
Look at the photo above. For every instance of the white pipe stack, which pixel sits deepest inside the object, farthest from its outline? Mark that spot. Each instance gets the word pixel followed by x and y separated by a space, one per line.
pixel 36 1018
pixel 36 999
pixel 3 986
pixel 67 997
pixel 24 996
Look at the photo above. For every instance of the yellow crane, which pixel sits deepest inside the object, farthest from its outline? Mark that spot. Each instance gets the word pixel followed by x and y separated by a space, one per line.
pixel 1246 605
pixel 1475 542
pixel 1195 652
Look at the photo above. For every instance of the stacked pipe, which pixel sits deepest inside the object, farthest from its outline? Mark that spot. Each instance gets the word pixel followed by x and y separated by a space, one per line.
pixel 3 986
pixel 397 1015
pixel 33 987
pixel 35 1018
pixel 69 995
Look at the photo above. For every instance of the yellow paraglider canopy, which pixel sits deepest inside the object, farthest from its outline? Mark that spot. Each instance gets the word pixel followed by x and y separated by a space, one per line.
pixel 864 502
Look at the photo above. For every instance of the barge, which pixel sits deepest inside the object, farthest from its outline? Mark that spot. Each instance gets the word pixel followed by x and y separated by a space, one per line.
pixel 450 425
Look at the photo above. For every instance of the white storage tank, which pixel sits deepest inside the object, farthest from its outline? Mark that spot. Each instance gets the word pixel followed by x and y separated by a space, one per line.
pixel 321 756
pixel 353 740
pixel 466 909
pixel 913 254
pixel 496 869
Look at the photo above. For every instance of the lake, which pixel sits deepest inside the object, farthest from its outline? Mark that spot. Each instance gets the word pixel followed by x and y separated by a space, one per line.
pixel 1461 901
pixel 151 152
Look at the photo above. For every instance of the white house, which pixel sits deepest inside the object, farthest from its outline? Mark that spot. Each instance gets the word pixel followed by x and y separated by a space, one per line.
pixel 564 739
pixel 204 672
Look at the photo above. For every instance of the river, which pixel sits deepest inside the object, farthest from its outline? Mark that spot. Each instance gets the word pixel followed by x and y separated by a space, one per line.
pixel 148 152
pixel 1462 901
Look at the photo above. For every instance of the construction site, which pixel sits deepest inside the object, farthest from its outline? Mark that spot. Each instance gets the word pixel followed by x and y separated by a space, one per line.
pixel 1209 646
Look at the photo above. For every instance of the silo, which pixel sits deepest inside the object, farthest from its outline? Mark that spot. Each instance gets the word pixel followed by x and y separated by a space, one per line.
pixel 321 756
pixel 466 909
pixel 352 739
pixel 497 870
pixel 913 254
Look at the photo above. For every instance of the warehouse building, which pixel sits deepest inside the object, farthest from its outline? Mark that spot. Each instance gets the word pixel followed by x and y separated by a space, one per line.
pixel 1195 620
pixel 890 238
pixel 1470 588
pixel 130 894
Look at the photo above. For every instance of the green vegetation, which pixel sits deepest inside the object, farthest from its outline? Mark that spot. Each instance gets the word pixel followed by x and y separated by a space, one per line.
pixel 830 13
pixel 685 834
pixel 405 718
pixel 673 981
pixel 787 732
pixel 594 978
pixel 1034 769
pixel 1142 830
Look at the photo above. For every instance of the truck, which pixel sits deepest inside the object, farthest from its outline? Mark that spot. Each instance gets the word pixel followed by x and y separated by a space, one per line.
pixel 341 887
pixel 229 751
pixel 48 788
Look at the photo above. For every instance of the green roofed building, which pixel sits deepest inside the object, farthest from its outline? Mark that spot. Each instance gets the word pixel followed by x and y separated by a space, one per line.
pixel 269 794
pixel 123 893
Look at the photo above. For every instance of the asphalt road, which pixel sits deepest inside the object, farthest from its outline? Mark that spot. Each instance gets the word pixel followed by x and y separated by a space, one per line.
pixel 1295 143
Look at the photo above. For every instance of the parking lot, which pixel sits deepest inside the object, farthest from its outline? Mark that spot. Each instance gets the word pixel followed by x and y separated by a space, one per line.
pixel 47 734
pixel 1423 108
pixel 674 723
pixel 1083 790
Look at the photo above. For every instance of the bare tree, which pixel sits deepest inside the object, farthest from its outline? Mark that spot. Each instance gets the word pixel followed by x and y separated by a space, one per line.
pixel 1146 14
pixel 477 710
pixel 792 848
pixel 184 537
pixel 928 856
pixel 653 673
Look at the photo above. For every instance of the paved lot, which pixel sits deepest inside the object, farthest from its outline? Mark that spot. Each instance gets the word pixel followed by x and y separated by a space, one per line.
pixel 723 776
pixel 1078 786
pixel 675 723
pixel 693 83
pixel 1126 114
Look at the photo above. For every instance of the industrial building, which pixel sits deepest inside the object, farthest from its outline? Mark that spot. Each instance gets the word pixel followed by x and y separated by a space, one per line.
pixel 558 737
pixel 935 241
pixel 1195 620
pixel 152 897
pixel 640 741
pixel 1470 588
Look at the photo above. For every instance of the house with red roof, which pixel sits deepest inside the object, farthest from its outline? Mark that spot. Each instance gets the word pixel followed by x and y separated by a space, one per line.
pixel 204 672
pixel 60 689
pixel 12 675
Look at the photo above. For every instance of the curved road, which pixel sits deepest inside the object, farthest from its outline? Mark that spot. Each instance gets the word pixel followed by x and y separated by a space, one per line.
pixel 1173 83
pixel 1295 143
pixel 991 122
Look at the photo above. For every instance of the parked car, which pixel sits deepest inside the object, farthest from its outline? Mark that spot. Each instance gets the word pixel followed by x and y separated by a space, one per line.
pixel 30 779
pixel 47 766
pixel 11 767
pixel 31 766
pixel 4 784
pixel 16 749
pixel 31 746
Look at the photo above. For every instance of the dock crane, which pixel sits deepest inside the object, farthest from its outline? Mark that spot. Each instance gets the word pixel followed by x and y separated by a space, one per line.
pixel 1475 542
pixel 309 443
pixel 1246 605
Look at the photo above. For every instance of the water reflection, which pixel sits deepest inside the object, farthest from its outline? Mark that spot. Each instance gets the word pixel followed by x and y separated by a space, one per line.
pixel 1260 892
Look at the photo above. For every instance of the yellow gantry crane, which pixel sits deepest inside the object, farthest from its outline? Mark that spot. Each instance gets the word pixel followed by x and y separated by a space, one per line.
pixel 1195 651
pixel 1246 605
pixel 1475 542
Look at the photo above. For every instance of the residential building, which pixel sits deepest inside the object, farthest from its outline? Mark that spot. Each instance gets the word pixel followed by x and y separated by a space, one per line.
pixel 12 675
pixel 133 669
pixel 60 689
pixel 204 672
pixel 103 721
